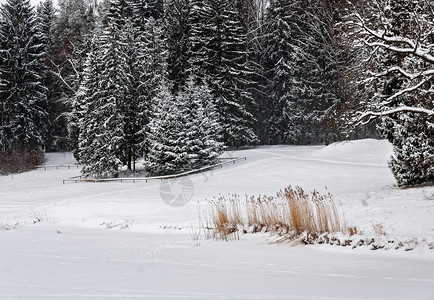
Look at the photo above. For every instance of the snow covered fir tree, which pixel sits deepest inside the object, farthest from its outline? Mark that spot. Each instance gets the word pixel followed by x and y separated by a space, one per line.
pixel 23 95
pixel 184 131
pixel 173 83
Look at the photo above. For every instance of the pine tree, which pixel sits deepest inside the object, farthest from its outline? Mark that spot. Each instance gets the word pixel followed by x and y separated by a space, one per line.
pixel 314 86
pixel 184 131
pixel 23 97
pixel 251 14
pixel 72 31
pixel 167 152
pixel 45 13
pixel 57 130
pixel 280 65
pixel 107 120
pixel 111 122
pixel 131 65
pixel 151 72
pixel 302 69
pixel 200 125
pixel 144 9
pixel 220 60
pixel 85 113
pixel 177 32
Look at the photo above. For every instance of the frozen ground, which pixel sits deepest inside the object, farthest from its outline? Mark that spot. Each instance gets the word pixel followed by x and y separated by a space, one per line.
pixel 120 240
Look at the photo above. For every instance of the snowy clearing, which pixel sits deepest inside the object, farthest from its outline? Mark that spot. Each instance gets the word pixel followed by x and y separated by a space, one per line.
pixel 120 240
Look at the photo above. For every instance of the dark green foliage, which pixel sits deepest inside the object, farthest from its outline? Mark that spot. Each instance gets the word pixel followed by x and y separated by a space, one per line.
pixel 72 31
pixel 177 31
pixel 23 96
pixel 219 59
pixel 413 145
pixel 301 68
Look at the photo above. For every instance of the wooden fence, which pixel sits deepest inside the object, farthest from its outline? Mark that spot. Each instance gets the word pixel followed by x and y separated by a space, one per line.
pixel 69 166
pixel 78 179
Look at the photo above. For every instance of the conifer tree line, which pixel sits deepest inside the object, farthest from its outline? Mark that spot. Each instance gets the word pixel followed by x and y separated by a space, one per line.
pixel 177 81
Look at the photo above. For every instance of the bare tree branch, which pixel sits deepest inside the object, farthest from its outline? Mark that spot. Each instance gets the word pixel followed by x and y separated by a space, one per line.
pixel 59 75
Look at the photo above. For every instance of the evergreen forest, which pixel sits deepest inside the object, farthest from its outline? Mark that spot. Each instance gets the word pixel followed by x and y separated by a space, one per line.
pixel 176 82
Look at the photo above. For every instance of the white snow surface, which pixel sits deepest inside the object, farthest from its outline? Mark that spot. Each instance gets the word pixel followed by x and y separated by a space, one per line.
pixel 121 241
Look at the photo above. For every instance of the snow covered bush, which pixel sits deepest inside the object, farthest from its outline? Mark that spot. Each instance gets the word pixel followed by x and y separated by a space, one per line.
pixel 412 138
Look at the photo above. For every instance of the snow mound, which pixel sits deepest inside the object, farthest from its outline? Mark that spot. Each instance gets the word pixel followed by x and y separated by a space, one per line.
pixel 368 151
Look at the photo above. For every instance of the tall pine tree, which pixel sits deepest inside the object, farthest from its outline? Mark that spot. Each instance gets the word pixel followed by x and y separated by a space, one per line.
pixel 301 70
pixel 23 96
pixel 73 29
pixel 280 64
pixel 107 137
pixel 167 149
pixel 177 31
pixel 220 60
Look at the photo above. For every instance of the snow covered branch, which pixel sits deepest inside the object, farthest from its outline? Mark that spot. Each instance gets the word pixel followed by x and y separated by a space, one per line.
pixel 398 60
pixel 399 44
pixel 401 71
pixel 369 116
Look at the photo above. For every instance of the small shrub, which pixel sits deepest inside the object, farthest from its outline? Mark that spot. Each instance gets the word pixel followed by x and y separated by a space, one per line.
pixel 17 161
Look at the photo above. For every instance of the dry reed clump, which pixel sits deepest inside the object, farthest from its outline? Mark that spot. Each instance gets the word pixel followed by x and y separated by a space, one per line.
pixel 293 216
pixel 292 212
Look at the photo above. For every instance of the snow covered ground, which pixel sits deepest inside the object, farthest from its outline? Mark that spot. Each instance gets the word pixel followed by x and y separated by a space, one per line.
pixel 121 240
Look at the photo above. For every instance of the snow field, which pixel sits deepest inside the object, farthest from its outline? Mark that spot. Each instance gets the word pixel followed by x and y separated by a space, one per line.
pixel 62 247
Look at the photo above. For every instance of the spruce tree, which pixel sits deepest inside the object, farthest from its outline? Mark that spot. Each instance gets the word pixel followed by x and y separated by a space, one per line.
pixel 200 125
pixel 184 131
pixel 57 131
pixel 301 70
pixel 23 97
pixel 167 152
pixel 85 112
pixel 151 72
pixel 142 10
pixel 45 13
pixel 177 32
pixel 112 119
pixel 280 65
pixel 220 60
pixel 72 31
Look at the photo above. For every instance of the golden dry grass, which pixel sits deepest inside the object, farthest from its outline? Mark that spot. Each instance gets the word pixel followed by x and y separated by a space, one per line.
pixel 292 210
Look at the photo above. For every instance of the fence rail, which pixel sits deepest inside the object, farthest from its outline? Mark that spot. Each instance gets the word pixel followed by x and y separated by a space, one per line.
pixel 69 166
pixel 78 179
